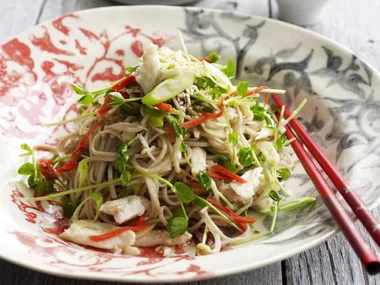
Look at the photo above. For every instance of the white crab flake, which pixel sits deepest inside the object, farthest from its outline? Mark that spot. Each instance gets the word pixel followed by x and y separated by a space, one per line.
pixel 146 74
pixel 198 160
pixel 126 208
pixel 265 133
pixel 248 189
pixel 79 233
pixel 162 237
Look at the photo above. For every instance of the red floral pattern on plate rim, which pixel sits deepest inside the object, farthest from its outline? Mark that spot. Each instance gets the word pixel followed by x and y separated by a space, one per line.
pixel 32 90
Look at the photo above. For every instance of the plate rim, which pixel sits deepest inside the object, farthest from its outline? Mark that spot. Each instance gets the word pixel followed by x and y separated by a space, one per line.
pixel 217 274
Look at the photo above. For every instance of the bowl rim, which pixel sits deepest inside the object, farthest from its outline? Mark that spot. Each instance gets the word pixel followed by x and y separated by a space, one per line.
pixel 226 272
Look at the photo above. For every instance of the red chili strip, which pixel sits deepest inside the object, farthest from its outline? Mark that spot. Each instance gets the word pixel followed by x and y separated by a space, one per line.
pixel 256 90
pixel 215 115
pixel 114 233
pixel 47 168
pixel 104 108
pixel 171 131
pixel 230 213
pixel 266 98
pixel 218 176
pixel 116 88
pixel 124 83
pixel 164 107
pixel 228 173
pixel 194 184
pixel 72 162
pixel 193 123
pixel 206 59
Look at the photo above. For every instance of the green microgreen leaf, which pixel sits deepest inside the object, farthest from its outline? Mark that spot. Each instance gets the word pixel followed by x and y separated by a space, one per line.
pixel 204 180
pixel 229 69
pixel 274 196
pixel 26 169
pixel 122 157
pixel 178 131
pixel 184 192
pixel 242 88
pixel 79 89
pixel 245 156
pixel 233 138
pixel 125 177
pixel 213 57
pixel 177 226
pixel 27 148
pixel 67 206
pixel 85 100
pixel 283 173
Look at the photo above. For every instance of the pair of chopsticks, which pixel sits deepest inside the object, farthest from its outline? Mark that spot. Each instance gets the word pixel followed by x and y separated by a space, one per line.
pixel 342 218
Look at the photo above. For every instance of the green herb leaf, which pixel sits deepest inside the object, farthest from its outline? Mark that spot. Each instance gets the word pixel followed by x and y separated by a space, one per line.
pixel 178 213
pixel 207 108
pixel 131 69
pixel 79 89
pixel 200 202
pixel 258 116
pixel 83 172
pixel 183 147
pixel 117 99
pixel 170 66
pixel 279 143
pixel 245 156
pixel 233 138
pixel 242 88
pixel 85 100
pixel 130 109
pixel 283 173
pixel 204 82
pixel 217 91
pixel 32 181
pixel 178 131
pixel 177 226
pixel 184 192
pixel 97 197
pixel 156 116
pixel 45 186
pixel 122 157
pixel 274 196
pixel 125 177
pixel 213 57
pixel 204 179
pixel 26 169
pixel 28 149
pixel 229 166
pixel 81 110
pixel 67 206
pixel 157 121
pixel 229 70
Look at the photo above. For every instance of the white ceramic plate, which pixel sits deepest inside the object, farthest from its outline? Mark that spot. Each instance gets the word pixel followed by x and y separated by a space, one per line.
pixel 91 47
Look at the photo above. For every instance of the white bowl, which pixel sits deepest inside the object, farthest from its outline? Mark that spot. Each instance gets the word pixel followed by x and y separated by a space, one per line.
pixel 93 46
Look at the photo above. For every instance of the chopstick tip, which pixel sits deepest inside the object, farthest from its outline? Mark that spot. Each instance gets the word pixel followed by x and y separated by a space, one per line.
pixel 373 267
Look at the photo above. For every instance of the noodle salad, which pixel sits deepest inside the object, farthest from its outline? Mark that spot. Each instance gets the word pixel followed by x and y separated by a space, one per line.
pixel 172 154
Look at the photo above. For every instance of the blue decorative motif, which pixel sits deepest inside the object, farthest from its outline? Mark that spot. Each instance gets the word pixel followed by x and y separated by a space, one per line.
pixel 342 115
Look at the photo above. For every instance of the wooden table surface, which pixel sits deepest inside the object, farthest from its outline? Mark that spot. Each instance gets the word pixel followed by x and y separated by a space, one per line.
pixel 352 23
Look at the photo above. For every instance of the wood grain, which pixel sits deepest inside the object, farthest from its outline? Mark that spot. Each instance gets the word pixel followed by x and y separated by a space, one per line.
pixel 356 29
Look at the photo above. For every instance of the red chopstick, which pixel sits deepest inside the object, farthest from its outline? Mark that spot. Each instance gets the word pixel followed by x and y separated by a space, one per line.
pixel 369 221
pixel 342 218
